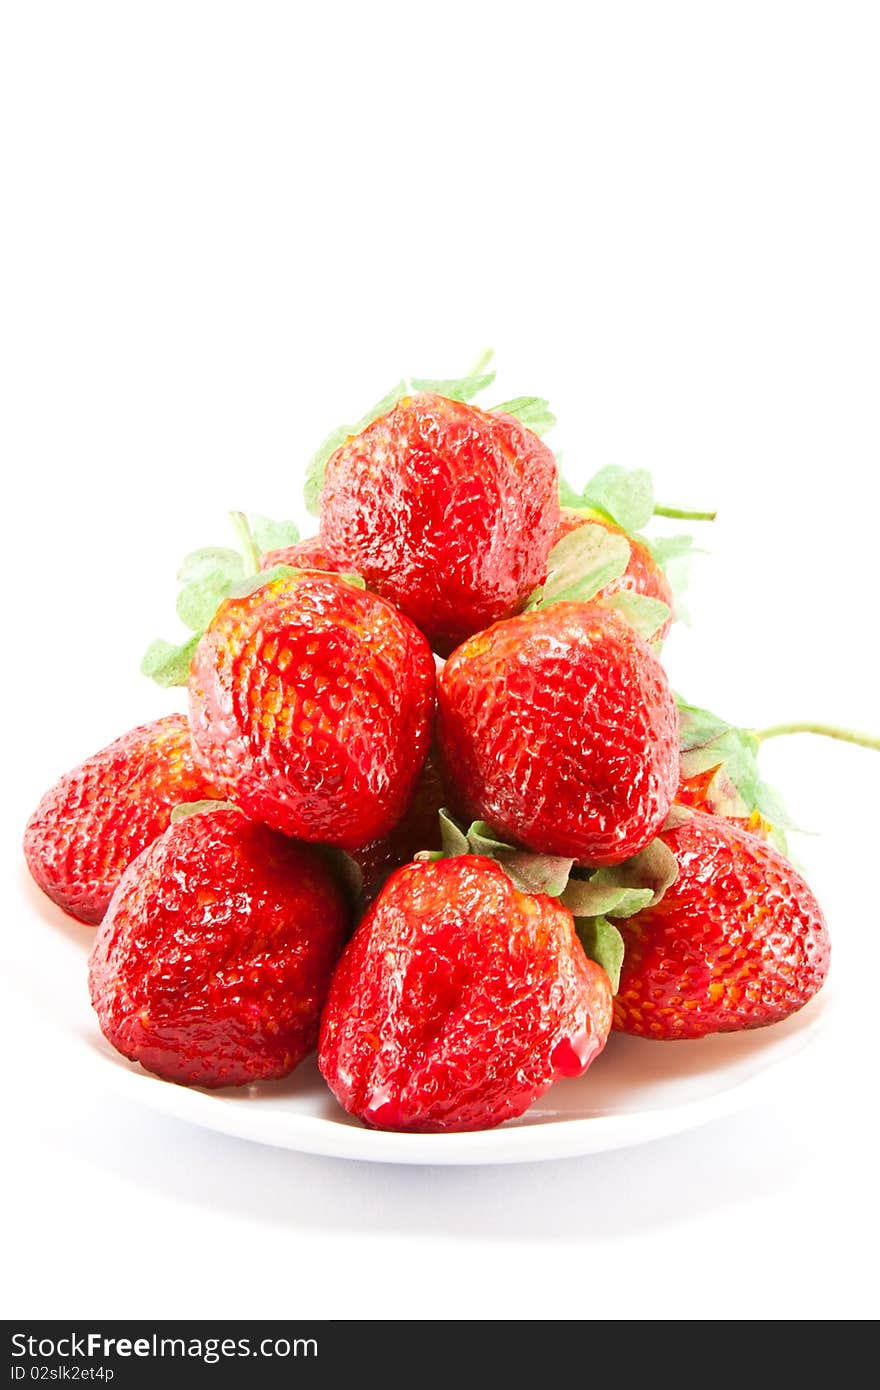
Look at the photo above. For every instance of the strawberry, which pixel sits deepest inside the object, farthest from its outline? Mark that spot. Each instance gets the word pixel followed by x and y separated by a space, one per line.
pixel 642 575
pixel 458 1001
pixel 447 510
pixel 213 962
pixel 737 941
pixel 311 704
pixel 418 829
pixel 305 555
pixel 559 729
pixel 97 818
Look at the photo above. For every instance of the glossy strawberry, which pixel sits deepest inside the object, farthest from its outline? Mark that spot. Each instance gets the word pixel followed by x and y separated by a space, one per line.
pixel 417 829
pixel 213 962
pixel 304 555
pixel 459 1001
pixel 738 940
pixel 558 727
pixel 447 510
pixel 642 575
pixel 311 705
pixel 97 818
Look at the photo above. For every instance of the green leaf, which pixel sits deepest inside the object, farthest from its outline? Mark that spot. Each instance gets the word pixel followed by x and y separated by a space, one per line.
pixel 199 599
pixel 603 943
pixel 184 809
pixel 452 837
pixel 529 873
pixel 382 406
pixel 773 808
pixel 461 389
pixel 567 495
pixel 536 873
pixel 272 535
pixel 737 789
pixel 581 564
pixel 645 614
pixel 532 411
pixel 253 582
pixel 355 581
pixel 674 555
pixel 314 482
pixel 168 665
pixel 212 560
pixel 666 548
pixel 625 495
pixel 678 816
pixel 482 839
pixel 594 897
pixel 654 867
pixel 697 727
pixel 623 889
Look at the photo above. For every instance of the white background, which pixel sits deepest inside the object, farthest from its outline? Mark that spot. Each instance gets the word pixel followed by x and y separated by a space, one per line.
pixel 228 228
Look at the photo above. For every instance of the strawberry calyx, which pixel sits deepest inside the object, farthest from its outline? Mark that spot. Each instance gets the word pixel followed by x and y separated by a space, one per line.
pixel 721 761
pixel 582 563
pixel 209 576
pixel 625 498
pixel 532 411
pixel 184 809
pixel 594 897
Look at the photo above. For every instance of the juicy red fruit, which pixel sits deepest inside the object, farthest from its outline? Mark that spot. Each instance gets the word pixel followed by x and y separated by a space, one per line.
pixel 448 511
pixel 311 704
pixel 558 727
pixel 418 829
pixel 304 555
pixel 459 1001
pixel 97 818
pixel 738 941
pixel 214 959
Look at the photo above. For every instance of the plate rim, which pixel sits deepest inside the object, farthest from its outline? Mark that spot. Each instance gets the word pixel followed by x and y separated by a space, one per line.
pixel 515 1142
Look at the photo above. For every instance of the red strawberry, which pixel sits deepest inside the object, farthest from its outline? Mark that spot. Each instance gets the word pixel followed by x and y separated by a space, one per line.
pixel 305 555
pixel 458 1001
pixel 445 509
pixel 738 940
pixel 418 829
pixel 311 704
pixel 642 575
pixel 213 962
pixel 97 818
pixel 558 727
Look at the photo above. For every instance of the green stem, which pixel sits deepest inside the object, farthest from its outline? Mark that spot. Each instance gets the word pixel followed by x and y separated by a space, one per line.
pixel 823 730
pixel 482 362
pixel 251 554
pixel 683 514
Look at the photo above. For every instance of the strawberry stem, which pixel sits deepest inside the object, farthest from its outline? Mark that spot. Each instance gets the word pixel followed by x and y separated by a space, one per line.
pixel 683 514
pixel 246 541
pixel 482 362
pixel 823 730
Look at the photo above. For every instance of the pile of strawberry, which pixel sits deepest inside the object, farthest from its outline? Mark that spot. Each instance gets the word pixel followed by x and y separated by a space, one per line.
pixel 435 807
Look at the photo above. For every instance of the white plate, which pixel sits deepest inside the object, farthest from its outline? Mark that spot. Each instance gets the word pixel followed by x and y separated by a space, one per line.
pixel 636 1091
